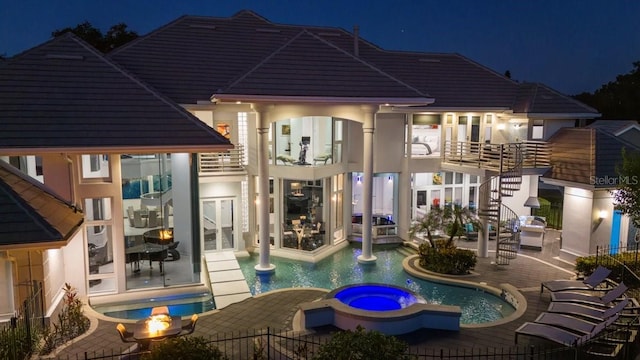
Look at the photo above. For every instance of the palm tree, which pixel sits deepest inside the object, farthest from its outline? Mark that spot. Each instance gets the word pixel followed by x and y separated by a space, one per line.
pixel 429 223
pixel 450 218
pixel 457 217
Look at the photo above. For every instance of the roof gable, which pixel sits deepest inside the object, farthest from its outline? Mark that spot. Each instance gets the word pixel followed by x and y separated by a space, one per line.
pixel 310 66
pixel 30 216
pixel 65 95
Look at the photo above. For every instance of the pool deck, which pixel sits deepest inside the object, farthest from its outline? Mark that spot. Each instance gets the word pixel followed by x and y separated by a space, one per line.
pixel 277 309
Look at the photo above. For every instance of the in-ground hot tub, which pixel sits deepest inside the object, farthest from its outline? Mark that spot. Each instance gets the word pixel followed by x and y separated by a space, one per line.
pixel 376 297
pixel 390 309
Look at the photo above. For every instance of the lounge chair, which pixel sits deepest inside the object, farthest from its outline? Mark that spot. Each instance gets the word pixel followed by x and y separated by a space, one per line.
pixel 573 323
pixel 588 312
pixel 604 300
pixel 556 334
pixel 590 283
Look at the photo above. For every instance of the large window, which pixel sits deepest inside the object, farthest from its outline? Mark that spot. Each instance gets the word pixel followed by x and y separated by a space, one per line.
pixel 306 141
pixel 425 135
pixel 303 225
pixel 95 166
pixel 443 189
pixel 160 246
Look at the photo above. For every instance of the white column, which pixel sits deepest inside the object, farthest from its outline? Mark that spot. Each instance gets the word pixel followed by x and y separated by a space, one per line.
pixel 367 189
pixel 263 192
pixel 7 307
pixel 403 218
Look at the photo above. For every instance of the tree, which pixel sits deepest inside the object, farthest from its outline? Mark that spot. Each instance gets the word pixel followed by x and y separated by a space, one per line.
pixel 617 99
pixel 116 35
pixel 450 219
pixel 627 195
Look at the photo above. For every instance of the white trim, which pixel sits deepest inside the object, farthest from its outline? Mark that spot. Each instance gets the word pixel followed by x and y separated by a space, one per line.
pixel 417 101
pixel 627 128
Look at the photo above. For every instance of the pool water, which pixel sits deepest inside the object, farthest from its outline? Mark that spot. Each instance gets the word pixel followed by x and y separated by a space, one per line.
pixel 342 268
pixel 179 305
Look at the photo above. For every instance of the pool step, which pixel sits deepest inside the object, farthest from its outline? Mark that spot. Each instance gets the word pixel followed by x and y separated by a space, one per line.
pixel 227 280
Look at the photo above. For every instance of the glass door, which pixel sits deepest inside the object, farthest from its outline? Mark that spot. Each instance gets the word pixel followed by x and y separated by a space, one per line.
pixel 469 133
pixel 217 224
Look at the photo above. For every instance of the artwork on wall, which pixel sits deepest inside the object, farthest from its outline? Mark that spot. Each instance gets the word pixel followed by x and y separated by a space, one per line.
pixel 224 129
pixel 286 129
pixel 437 178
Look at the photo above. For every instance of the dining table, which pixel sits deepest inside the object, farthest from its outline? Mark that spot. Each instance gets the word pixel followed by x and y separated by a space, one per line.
pixel 146 251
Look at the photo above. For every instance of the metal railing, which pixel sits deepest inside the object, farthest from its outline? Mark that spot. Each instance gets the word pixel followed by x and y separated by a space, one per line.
pixel 231 160
pixel 271 344
pixel 535 154
pixel 17 338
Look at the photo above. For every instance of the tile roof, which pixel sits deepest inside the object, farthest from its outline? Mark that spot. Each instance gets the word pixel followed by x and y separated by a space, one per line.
pixel 613 126
pixel 65 96
pixel 194 57
pixel 307 65
pixel 534 98
pixel 31 216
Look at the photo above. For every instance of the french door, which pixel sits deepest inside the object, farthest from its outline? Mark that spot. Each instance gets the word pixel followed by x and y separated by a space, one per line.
pixel 218 224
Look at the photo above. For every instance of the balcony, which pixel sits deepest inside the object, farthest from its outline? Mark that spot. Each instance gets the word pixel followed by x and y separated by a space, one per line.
pixel 230 161
pixel 535 154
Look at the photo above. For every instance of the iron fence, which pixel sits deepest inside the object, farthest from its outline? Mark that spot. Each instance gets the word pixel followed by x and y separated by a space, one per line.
pixel 270 344
pixel 18 337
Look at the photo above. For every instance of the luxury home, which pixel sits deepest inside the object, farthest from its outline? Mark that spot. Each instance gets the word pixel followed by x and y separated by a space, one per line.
pixel 236 135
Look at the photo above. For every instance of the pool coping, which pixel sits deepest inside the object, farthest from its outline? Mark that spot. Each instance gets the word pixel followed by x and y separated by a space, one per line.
pixel 507 292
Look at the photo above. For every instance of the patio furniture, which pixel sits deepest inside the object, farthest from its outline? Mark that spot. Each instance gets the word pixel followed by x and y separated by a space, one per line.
pixel 557 334
pixel 572 323
pixel 321 158
pixel 144 332
pixel 190 326
pixel 575 297
pixel 590 283
pixel 588 312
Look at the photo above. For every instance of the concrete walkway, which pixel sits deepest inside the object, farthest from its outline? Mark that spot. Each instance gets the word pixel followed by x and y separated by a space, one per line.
pixel 277 309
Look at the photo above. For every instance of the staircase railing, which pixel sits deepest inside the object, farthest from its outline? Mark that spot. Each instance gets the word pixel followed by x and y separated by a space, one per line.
pixel 503 219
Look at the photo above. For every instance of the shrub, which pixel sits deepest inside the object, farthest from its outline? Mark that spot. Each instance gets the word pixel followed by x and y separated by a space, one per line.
pixel 71 322
pixel 185 348
pixel 15 343
pixel 362 344
pixel 445 258
pixel 620 265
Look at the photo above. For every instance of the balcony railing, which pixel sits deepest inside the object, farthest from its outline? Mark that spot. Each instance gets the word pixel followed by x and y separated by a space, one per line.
pixel 536 154
pixel 231 160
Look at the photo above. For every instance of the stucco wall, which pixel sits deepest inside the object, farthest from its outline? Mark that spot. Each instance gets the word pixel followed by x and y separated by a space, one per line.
pixel 576 222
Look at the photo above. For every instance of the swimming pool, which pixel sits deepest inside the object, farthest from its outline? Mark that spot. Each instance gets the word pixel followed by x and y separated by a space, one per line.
pixel 179 305
pixel 342 268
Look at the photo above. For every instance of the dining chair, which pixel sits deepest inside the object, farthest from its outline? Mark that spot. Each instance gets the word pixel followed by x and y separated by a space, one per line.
pixel 152 220
pixel 189 327
pixel 160 310
pixel 125 335
pixel 138 220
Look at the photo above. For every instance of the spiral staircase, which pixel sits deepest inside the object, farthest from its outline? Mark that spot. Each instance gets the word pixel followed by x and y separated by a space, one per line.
pixel 503 220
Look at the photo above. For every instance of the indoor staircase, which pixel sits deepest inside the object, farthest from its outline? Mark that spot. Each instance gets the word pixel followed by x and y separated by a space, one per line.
pixel 503 220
